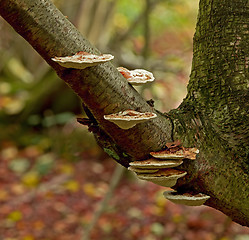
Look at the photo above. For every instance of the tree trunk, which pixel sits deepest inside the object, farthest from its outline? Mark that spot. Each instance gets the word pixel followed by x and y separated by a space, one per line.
pixel 213 117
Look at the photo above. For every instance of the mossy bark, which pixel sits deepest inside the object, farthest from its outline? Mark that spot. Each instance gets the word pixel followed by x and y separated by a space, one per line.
pixel 215 114
pixel 213 117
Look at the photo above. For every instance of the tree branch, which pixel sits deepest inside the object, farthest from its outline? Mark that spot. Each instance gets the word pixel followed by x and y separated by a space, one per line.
pixel 102 88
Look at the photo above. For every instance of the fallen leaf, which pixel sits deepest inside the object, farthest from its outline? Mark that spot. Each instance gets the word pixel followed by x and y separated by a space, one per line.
pixel 15 216
pixel 31 179
pixel 4 195
pixel 89 189
pixel 19 165
pixel 72 185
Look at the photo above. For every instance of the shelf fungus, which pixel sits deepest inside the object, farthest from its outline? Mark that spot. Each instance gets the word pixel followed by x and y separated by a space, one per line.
pixel 163 177
pixel 129 118
pixel 153 163
pixel 142 170
pixel 176 153
pixel 82 60
pixel 136 77
pixel 186 198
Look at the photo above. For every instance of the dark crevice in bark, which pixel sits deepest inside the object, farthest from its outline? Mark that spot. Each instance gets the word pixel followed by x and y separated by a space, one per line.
pixel 172 126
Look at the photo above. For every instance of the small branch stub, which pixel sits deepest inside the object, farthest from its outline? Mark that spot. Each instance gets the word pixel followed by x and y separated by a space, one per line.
pixel 186 198
pixel 82 60
pixel 136 77
pixel 129 118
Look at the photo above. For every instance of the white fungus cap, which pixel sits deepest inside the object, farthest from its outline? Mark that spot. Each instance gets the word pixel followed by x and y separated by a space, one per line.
pixel 186 198
pixel 82 60
pixel 129 118
pixel 136 77
pixel 143 170
pixel 164 177
pixel 155 163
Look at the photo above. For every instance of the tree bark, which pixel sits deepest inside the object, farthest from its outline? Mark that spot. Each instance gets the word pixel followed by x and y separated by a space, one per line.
pixel 213 117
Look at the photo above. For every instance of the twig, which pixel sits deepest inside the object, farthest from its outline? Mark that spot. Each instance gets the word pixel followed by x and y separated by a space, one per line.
pixel 102 206
pixel 146 48
pixel 133 26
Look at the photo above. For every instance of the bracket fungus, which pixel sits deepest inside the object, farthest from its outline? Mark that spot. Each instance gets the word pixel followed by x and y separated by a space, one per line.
pixel 142 170
pixel 136 77
pixel 186 198
pixel 176 153
pixel 129 118
pixel 153 163
pixel 163 177
pixel 82 60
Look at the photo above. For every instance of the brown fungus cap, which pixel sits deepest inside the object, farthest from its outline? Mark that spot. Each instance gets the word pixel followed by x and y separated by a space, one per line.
pixel 164 177
pixel 186 198
pixel 136 77
pixel 142 170
pixel 155 163
pixel 129 118
pixel 82 60
pixel 176 153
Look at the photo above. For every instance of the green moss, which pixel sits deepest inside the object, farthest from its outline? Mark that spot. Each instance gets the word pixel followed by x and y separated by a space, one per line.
pixel 112 154
pixel 214 116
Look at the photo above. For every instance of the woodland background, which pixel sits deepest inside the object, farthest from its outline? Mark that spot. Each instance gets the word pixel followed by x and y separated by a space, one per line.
pixel 53 176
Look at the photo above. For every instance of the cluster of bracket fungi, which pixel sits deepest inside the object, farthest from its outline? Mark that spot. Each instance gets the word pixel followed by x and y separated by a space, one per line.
pixel 124 119
pixel 160 168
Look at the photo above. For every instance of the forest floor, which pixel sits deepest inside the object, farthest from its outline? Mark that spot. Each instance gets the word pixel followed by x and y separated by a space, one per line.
pixel 46 197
